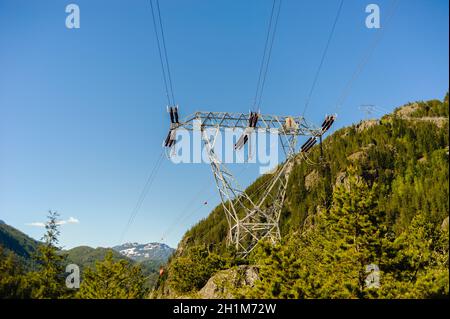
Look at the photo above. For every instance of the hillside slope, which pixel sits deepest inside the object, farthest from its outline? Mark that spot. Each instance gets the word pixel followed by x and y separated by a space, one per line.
pixel 24 247
pixel 86 256
pixel 401 160
pixel 13 240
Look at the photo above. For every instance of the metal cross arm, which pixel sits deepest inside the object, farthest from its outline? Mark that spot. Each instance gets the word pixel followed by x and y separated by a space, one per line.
pixel 285 125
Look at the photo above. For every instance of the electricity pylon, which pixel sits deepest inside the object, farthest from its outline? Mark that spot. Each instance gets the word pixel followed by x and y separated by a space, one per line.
pixel 250 218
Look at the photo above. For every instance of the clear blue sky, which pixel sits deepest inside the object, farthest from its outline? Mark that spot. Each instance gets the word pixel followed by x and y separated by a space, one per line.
pixel 82 112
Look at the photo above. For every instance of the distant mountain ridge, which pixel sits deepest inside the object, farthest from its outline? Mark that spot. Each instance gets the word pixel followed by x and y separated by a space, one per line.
pixel 22 245
pixel 144 252
pixel 86 256
pixel 150 256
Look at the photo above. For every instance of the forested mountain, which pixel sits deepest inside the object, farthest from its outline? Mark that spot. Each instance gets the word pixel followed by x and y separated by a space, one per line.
pixel 376 204
pixel 86 256
pixel 368 219
pixel 18 243
pixel 25 248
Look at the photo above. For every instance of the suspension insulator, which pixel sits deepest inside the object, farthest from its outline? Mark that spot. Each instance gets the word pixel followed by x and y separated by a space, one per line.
pixel 309 143
pixel 176 115
pixel 255 120
pixel 171 115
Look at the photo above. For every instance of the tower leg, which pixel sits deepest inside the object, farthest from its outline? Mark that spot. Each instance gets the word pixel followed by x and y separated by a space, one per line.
pixel 248 222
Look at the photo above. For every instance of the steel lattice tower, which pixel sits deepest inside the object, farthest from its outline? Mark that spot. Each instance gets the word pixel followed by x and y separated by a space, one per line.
pixel 250 219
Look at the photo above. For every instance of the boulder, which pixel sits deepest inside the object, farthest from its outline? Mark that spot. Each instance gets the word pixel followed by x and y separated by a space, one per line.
pixel 364 125
pixel 220 285
pixel 444 225
pixel 311 179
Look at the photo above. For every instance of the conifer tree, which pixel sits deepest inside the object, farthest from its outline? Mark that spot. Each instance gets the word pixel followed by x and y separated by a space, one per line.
pixel 329 258
pixel 418 262
pixel 13 283
pixel 49 280
pixel 352 238
pixel 113 280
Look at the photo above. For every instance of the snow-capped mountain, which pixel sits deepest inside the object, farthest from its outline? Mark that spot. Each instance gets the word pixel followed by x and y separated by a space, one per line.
pixel 142 252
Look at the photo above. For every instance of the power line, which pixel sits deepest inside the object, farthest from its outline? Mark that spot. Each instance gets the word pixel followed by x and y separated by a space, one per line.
pixel 182 215
pixel 144 192
pixel 165 52
pixel 163 59
pixel 368 109
pixel 160 54
pixel 264 54
pixel 371 48
pixel 269 56
pixel 382 109
pixel 271 32
pixel 186 213
pixel 330 36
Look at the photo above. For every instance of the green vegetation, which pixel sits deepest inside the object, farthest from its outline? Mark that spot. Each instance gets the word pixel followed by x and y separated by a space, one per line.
pixel 13 283
pixel 115 277
pixel 47 281
pixel 368 220
pixel 21 245
pixel 329 259
pixel 113 280
pixel 86 256
pixel 433 108
pixel 378 197
pixel 192 271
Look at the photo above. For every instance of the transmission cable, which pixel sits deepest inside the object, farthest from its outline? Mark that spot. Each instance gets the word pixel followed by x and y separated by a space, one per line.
pixel 186 213
pixel 370 49
pixel 165 52
pixel 324 54
pixel 163 57
pixel 271 32
pixel 144 192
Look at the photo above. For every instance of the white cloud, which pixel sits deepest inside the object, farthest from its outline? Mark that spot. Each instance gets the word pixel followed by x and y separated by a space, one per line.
pixel 71 220
pixel 36 224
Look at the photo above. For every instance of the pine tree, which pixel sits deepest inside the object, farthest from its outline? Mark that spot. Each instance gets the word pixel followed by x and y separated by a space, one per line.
pixel 418 262
pixel 353 237
pixel 329 258
pixel 49 280
pixel 193 271
pixel 13 283
pixel 113 280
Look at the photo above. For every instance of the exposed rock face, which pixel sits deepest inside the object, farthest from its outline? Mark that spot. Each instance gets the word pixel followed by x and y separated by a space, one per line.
pixel 362 154
pixel 423 159
pixel 219 285
pixel 340 178
pixel 444 225
pixel 438 121
pixel 182 245
pixel 357 156
pixel 407 110
pixel 311 179
pixel 364 125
